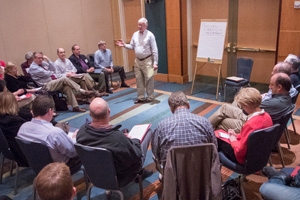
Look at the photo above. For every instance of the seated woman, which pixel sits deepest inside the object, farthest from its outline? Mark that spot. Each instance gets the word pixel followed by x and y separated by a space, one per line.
pixel 10 123
pixel 18 85
pixel 236 147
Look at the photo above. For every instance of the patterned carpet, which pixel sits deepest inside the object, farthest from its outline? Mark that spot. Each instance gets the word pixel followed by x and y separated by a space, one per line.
pixel 125 112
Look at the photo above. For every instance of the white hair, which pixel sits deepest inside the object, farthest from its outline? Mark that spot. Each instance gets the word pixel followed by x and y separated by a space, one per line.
pixel 143 20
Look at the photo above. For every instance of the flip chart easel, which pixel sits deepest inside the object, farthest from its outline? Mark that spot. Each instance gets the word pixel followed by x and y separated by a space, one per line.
pixel 211 46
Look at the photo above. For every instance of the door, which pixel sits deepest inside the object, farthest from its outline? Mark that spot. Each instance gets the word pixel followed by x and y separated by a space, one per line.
pixel 252 31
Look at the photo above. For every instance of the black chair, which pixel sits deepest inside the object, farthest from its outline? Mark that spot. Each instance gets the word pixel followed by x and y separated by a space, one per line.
pixel 100 169
pixel 37 154
pixel 244 69
pixel 294 100
pixel 260 144
pixel 8 154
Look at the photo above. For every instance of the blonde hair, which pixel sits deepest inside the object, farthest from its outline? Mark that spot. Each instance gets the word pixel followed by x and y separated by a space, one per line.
pixel 8 104
pixel 9 67
pixel 249 97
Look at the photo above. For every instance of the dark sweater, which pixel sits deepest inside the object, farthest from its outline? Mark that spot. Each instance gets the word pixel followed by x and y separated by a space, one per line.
pixel 127 152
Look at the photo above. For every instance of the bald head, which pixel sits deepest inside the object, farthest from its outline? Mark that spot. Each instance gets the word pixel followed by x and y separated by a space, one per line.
pixel 99 110
pixel 282 67
pixel 280 83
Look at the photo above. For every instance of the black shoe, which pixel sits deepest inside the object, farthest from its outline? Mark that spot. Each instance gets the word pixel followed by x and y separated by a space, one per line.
pixel 269 171
pixel 125 85
pixel 109 91
pixel 149 100
pixel 144 174
pixel 139 101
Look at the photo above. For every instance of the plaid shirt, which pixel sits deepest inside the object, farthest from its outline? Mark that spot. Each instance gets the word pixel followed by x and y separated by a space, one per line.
pixel 182 128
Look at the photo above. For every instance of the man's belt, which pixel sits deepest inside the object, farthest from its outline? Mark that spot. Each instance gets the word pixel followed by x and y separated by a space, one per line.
pixel 141 59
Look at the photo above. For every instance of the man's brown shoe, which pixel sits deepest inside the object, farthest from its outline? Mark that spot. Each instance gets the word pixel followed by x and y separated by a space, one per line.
pixel 77 109
pixel 89 93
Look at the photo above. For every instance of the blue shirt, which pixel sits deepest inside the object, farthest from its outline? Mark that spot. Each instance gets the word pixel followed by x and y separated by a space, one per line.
pixel 60 145
pixel 103 59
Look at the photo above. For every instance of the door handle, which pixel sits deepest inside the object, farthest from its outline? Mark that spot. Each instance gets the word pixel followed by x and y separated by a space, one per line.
pixel 234 48
pixel 228 47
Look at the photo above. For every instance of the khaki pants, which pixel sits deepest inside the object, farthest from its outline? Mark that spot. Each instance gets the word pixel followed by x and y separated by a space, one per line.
pixel 144 72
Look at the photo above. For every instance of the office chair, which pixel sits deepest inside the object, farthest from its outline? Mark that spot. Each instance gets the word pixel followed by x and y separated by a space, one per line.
pixel 260 144
pixel 192 172
pixel 244 69
pixel 100 169
pixel 8 154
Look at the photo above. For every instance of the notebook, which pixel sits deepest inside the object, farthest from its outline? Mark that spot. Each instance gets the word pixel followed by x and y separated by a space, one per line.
pixel 139 131
pixel 235 78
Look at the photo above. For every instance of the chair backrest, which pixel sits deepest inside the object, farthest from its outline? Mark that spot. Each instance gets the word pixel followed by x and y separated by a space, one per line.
pixel 192 172
pixel 294 98
pixel 284 120
pixel 37 154
pixel 260 144
pixel 91 59
pixel 99 165
pixel 4 147
pixel 244 67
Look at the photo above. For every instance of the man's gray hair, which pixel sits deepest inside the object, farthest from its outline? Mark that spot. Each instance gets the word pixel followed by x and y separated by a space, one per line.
pixel 178 99
pixel 143 20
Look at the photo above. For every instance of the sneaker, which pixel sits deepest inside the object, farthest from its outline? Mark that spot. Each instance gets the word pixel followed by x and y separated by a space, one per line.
pixel 109 91
pixel 269 171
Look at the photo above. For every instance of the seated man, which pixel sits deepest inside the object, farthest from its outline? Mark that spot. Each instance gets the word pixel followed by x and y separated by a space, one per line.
pixel 55 182
pixel 104 61
pixel 83 65
pixel 276 104
pixel 182 128
pixel 295 77
pixel 129 154
pixel 25 65
pixel 65 68
pixel 42 71
pixel 40 129
pixel 281 184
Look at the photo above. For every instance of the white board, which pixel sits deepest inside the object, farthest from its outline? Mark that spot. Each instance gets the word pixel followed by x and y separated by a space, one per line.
pixel 211 40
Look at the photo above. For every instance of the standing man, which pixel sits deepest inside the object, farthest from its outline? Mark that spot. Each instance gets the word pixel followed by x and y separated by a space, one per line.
pixel 82 64
pixel 104 61
pixel 144 45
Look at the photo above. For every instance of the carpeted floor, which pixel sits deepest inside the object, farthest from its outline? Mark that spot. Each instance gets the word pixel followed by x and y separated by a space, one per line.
pixel 125 112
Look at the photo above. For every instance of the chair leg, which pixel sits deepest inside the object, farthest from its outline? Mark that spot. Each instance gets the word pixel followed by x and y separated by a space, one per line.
pixel 141 187
pixel 1 168
pixel 293 125
pixel 241 187
pixel 280 154
pixel 16 179
pixel 224 92
pixel 270 161
pixel 120 193
pixel 88 194
pixel 111 82
pixel 11 167
pixel 287 137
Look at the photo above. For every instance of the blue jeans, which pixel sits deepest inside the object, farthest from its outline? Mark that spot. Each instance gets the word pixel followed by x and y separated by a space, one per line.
pixel 276 190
